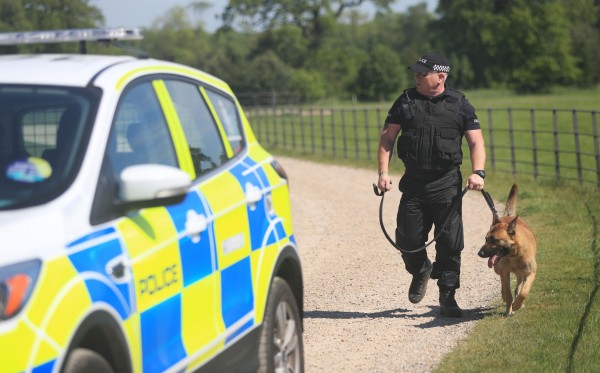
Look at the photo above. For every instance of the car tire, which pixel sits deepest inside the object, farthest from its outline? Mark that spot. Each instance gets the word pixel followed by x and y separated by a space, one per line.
pixel 82 360
pixel 281 348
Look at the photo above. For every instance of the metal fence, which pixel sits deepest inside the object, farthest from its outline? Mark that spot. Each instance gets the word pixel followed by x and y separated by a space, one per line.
pixel 554 143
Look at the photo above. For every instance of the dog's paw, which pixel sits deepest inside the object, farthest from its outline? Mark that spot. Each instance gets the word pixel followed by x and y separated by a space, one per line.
pixel 517 306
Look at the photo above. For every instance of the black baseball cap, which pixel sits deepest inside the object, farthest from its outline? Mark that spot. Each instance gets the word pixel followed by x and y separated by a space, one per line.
pixel 432 61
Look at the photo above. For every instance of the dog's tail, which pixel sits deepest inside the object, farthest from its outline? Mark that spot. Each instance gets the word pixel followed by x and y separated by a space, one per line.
pixel 511 202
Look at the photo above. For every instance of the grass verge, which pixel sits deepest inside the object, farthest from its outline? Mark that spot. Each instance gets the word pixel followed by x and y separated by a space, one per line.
pixel 558 330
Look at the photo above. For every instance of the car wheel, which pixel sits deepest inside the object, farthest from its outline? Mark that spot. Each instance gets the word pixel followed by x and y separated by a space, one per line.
pixel 82 360
pixel 281 349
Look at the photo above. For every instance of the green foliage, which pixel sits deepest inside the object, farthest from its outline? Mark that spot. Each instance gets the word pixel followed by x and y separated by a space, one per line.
pixel 311 16
pixel 287 43
pixel 309 84
pixel 26 15
pixel 172 37
pixel 381 76
pixel 266 72
pixel 339 65
pixel 521 45
pixel 526 45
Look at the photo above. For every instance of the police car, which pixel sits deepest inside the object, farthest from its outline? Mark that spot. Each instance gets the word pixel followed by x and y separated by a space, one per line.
pixel 142 226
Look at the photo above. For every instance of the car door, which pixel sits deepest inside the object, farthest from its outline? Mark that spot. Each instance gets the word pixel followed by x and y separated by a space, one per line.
pixel 171 248
pixel 227 199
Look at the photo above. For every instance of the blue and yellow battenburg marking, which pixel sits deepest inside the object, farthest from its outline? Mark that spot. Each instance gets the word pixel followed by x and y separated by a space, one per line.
pixel 183 280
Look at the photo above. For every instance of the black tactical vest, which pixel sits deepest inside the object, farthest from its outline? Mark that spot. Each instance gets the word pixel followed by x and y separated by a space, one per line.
pixel 431 135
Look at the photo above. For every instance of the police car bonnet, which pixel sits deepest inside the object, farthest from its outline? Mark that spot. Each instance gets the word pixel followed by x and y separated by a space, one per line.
pixel 431 61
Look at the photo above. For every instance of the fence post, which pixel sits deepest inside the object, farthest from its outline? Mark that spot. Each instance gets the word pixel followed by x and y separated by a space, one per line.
pixel 556 144
pixel 596 146
pixel 322 130
pixel 344 139
pixel 312 131
pixel 275 126
pixel 367 139
pixel 333 132
pixel 511 136
pixel 491 132
pixel 577 147
pixel 379 131
pixel 534 144
pixel 283 131
pixel 301 121
pixel 355 126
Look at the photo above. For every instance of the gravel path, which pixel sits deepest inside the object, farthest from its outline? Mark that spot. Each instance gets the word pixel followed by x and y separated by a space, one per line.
pixel 357 314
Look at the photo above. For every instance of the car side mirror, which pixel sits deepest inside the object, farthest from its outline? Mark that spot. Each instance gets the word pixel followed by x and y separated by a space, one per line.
pixel 151 185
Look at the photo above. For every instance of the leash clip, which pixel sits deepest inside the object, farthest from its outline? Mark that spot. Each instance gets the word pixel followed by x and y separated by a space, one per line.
pixel 490 203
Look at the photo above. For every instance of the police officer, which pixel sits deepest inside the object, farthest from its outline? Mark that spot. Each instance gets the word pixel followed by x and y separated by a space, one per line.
pixel 431 119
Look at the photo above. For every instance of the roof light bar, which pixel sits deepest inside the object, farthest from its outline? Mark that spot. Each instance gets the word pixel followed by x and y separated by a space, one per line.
pixel 71 35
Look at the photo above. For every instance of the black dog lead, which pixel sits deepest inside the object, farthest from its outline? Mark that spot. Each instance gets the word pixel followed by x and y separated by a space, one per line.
pixel 454 206
pixel 490 203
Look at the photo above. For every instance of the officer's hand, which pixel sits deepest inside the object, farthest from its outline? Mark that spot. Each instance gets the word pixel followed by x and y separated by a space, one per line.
pixel 384 183
pixel 475 182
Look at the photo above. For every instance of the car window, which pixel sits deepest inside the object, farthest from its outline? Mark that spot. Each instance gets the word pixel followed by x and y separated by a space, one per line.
pixel 199 126
pixel 140 133
pixel 41 141
pixel 228 115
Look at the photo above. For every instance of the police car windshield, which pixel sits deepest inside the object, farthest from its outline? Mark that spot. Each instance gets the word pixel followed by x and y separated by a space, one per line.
pixel 41 136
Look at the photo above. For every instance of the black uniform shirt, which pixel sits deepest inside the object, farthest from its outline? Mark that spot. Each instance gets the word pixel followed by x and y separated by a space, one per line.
pixel 466 111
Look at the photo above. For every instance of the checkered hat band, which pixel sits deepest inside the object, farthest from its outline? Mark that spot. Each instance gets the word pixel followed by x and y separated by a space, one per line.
pixel 442 68
pixel 434 67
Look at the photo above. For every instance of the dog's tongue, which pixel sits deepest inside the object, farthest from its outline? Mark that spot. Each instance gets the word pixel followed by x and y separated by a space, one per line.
pixel 493 260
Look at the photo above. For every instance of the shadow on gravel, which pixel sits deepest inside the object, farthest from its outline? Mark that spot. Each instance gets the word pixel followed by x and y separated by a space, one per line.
pixel 434 311
pixel 468 315
pixel 395 313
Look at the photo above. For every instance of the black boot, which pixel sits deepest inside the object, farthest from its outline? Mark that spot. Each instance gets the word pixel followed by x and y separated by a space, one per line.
pixel 418 285
pixel 448 305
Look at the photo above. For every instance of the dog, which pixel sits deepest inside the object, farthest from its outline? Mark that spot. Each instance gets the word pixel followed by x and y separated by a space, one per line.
pixel 510 246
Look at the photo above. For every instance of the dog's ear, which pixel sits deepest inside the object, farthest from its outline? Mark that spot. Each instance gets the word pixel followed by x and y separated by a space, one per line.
pixel 511 203
pixel 512 225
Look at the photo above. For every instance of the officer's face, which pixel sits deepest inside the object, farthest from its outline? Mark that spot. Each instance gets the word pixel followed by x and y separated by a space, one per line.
pixel 430 84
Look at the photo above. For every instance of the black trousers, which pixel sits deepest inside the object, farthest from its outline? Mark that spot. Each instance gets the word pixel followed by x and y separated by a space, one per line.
pixel 424 204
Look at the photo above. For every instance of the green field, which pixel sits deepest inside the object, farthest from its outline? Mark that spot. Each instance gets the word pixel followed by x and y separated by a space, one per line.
pixel 558 330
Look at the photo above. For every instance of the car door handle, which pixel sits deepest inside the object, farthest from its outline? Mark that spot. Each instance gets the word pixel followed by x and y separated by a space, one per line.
pixel 253 194
pixel 117 271
pixel 195 224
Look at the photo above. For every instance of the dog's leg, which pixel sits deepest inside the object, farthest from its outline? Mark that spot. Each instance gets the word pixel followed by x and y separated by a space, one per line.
pixel 506 293
pixel 519 284
pixel 524 291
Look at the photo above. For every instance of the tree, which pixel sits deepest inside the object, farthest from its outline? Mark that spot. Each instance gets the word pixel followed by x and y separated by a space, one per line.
pixel 339 65
pixel 309 84
pixel 381 76
pixel 308 15
pixel 173 37
pixel 286 42
pixel 523 44
pixel 584 16
pixel 29 15
pixel 265 72
pixel 229 55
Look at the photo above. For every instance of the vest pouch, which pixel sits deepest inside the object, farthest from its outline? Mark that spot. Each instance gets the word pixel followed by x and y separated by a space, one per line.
pixel 405 146
pixel 447 145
